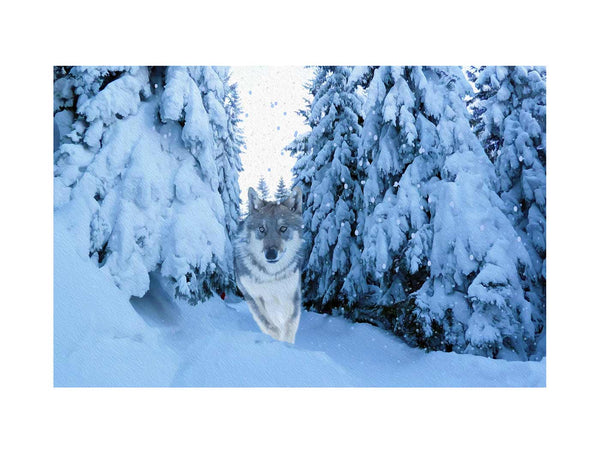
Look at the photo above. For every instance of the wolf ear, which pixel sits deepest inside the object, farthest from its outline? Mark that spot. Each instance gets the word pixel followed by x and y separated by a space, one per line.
pixel 294 201
pixel 254 202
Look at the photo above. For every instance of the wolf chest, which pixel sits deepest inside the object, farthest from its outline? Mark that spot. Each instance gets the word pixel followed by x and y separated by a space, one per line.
pixel 275 298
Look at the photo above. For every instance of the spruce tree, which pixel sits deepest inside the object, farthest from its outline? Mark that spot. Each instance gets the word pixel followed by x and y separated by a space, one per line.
pixel 282 192
pixel 263 189
pixel 148 163
pixel 328 175
pixel 431 252
pixel 476 109
pixel 514 125
pixel 437 242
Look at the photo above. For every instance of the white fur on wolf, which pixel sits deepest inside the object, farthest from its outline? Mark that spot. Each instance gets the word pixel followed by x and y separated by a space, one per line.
pixel 276 286
pixel 278 297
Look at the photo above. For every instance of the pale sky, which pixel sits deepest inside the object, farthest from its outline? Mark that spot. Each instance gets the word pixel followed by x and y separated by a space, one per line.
pixel 270 97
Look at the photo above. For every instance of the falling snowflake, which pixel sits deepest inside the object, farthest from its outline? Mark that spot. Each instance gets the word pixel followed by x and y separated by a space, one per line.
pixel 515 208
pixel 372 199
pixel 345 186
pixel 362 182
pixel 375 137
pixel 355 232
pixel 518 238
pixel 155 86
pixel 471 257
pixel 383 266
pixel 429 263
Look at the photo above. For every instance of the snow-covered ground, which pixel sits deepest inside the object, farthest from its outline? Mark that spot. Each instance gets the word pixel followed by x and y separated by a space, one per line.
pixel 102 338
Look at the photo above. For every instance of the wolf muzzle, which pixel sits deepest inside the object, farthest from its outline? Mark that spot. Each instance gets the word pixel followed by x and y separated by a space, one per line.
pixel 272 255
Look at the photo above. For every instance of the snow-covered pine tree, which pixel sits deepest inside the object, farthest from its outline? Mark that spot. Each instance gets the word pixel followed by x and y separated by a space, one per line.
pixel 282 192
pixel 474 105
pixel 222 103
pixel 263 189
pixel 327 172
pixel 147 169
pixel 387 141
pixel 513 125
pixel 436 241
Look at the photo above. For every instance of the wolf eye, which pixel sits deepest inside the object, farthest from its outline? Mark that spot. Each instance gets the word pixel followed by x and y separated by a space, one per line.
pixel 261 229
pixel 282 229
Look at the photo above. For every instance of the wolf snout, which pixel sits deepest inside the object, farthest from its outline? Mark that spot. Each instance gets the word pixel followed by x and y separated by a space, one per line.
pixel 271 254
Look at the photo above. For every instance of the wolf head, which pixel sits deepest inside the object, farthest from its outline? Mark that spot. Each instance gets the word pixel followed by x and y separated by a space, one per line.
pixel 274 231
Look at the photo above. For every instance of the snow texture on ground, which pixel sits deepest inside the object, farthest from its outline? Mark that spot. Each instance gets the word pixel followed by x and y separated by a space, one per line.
pixel 104 338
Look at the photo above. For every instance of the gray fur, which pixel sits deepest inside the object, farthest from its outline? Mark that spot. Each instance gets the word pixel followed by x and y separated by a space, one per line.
pixel 268 259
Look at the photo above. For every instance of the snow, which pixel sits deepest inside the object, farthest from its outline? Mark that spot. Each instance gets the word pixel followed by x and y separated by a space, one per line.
pixel 104 338
pixel 97 341
pixel 119 98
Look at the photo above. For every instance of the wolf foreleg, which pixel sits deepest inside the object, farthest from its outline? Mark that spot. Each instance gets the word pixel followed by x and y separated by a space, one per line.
pixel 291 326
pixel 264 324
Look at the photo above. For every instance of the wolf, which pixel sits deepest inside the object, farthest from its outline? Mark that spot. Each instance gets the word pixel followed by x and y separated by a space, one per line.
pixel 269 252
